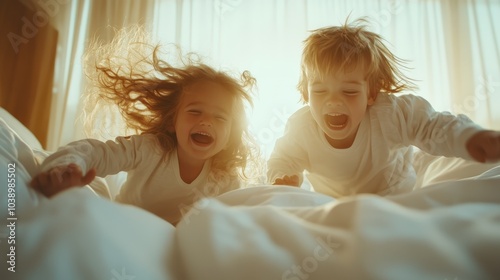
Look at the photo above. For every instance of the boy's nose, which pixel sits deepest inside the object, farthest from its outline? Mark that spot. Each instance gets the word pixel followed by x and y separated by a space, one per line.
pixel 334 101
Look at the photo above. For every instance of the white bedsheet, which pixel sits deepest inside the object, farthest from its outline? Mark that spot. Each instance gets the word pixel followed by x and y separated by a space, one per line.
pixel 450 230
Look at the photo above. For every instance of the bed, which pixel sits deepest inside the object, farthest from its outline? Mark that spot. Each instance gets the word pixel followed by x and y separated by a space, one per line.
pixel 448 229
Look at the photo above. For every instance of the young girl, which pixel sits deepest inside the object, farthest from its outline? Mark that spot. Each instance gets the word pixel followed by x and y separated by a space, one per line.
pixel 355 135
pixel 192 139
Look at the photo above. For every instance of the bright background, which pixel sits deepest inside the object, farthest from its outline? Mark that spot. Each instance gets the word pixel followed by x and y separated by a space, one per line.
pixel 453 48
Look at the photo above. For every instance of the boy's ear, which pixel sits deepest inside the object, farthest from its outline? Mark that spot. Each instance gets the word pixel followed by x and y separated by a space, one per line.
pixel 371 100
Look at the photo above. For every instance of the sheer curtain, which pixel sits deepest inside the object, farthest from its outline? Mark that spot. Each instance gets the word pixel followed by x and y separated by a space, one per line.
pixel 452 48
pixel 79 22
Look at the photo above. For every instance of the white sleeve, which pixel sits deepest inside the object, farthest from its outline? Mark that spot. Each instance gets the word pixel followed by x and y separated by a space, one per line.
pixel 438 133
pixel 289 157
pixel 107 158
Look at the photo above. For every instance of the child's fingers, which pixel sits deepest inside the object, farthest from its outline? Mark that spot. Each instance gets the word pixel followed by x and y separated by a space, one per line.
pixel 42 183
pixel 487 151
pixel 60 178
pixel 293 180
pixel 492 149
pixel 89 177
pixel 484 146
pixel 45 181
pixel 74 177
pixel 34 183
pixel 39 181
pixel 278 181
pixel 479 156
pixel 287 180
pixel 56 175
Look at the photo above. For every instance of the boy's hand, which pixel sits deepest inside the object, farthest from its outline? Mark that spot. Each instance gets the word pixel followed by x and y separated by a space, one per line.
pixel 287 180
pixel 484 146
pixel 61 178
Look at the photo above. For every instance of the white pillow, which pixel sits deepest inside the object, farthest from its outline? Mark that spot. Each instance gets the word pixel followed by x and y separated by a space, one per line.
pixel 24 133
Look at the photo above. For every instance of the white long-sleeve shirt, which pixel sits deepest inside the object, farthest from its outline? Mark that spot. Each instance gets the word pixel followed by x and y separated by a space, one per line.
pixel 153 181
pixel 380 159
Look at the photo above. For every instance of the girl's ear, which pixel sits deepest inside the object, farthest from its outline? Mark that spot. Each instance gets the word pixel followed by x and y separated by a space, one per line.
pixel 171 129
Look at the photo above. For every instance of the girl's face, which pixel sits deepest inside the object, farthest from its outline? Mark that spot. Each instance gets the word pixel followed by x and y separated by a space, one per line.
pixel 338 103
pixel 203 122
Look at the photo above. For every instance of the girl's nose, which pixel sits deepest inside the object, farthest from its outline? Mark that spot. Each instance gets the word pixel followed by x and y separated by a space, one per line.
pixel 207 121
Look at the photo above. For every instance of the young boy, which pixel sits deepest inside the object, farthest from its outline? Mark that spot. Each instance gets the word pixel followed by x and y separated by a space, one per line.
pixel 355 135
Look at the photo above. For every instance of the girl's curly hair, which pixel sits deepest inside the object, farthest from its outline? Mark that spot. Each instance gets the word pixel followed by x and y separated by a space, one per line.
pixel 129 72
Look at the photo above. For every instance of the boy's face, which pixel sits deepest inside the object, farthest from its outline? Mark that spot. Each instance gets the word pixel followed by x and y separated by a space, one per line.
pixel 203 122
pixel 338 103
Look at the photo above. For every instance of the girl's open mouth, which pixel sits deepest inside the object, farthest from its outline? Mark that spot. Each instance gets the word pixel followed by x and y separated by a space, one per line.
pixel 202 138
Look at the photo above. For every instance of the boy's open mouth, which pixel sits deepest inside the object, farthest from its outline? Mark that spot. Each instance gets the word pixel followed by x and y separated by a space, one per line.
pixel 336 121
pixel 202 138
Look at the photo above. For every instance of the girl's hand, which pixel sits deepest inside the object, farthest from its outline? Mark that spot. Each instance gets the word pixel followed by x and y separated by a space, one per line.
pixel 484 146
pixel 287 180
pixel 61 178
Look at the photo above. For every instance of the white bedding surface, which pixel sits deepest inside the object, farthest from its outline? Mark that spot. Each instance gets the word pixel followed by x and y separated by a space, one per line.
pixel 449 230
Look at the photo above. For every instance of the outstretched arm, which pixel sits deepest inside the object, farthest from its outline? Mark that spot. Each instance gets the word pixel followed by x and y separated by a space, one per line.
pixel 289 158
pixel 440 133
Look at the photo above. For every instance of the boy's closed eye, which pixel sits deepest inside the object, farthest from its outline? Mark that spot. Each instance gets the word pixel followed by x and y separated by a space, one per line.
pixel 318 91
pixel 350 92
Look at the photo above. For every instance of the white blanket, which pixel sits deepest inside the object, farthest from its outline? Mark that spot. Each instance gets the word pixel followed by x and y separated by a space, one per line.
pixel 450 230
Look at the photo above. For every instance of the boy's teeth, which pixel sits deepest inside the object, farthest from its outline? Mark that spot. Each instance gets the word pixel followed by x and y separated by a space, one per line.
pixel 336 120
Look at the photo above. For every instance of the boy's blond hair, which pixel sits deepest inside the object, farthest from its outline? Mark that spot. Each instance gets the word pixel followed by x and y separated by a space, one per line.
pixel 336 48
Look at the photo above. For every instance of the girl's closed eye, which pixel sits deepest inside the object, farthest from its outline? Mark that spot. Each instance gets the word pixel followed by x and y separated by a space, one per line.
pixel 222 118
pixel 194 112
